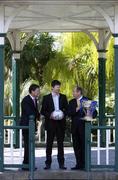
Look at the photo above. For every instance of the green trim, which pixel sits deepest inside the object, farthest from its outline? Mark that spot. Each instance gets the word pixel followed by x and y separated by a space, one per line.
pixel 102 166
pixel 2 46
pixel 87 145
pixel 9 117
pixel 16 165
pixel 115 35
pixel 102 59
pixel 16 97
pixel 31 146
pixel 116 106
pixel 103 127
pixel 1 107
pixel 2 34
pixel 18 52
pixel 31 164
pixel 115 46
pixel 102 92
pixel 16 127
pixel 102 50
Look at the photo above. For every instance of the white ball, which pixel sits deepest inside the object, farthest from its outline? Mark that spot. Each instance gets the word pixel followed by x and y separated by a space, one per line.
pixel 58 115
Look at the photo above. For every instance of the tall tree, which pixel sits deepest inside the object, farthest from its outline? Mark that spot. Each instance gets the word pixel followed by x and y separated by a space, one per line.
pixel 35 55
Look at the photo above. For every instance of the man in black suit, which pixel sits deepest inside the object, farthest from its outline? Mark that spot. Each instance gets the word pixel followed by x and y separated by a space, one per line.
pixel 76 112
pixel 52 104
pixel 29 107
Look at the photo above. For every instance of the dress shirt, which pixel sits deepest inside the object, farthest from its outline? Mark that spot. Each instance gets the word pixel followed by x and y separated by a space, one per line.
pixel 56 101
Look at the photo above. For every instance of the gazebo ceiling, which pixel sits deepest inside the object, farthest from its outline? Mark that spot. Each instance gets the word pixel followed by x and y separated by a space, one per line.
pixel 58 15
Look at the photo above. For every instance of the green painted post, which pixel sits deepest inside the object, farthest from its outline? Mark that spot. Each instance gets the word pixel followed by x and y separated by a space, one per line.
pixel 102 91
pixel 116 102
pixel 31 146
pixel 87 145
pixel 2 103
pixel 16 96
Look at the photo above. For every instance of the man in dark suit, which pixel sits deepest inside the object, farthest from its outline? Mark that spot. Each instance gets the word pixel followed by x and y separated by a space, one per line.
pixel 77 112
pixel 54 123
pixel 29 107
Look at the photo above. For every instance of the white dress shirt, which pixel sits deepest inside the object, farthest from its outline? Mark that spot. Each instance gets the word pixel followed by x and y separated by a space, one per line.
pixel 55 98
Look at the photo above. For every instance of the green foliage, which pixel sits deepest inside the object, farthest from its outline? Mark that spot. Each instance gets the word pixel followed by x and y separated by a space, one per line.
pixel 110 68
pixel 35 55
pixel 76 64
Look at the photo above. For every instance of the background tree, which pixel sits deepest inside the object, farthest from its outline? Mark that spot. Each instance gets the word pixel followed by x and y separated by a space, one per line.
pixel 35 55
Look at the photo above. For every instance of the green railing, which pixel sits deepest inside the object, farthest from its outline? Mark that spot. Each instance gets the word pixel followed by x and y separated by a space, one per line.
pixel 88 144
pixel 31 164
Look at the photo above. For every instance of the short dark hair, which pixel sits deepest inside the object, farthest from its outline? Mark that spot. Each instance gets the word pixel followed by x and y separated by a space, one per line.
pixel 55 82
pixel 79 89
pixel 33 87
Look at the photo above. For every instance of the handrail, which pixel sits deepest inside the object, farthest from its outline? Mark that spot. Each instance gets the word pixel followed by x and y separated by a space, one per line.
pixel 88 128
pixel 108 116
pixel 9 117
pixel 103 127
pixel 16 127
pixel 31 164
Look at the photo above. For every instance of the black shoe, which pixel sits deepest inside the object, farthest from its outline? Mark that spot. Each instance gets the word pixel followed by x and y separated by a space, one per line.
pixel 75 168
pixel 47 167
pixel 82 168
pixel 62 167
pixel 25 169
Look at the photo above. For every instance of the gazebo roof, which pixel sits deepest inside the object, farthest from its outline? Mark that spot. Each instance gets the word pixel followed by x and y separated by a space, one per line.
pixel 58 15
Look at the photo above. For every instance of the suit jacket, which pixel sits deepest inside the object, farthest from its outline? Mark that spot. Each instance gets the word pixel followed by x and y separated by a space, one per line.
pixel 28 108
pixel 76 117
pixel 48 108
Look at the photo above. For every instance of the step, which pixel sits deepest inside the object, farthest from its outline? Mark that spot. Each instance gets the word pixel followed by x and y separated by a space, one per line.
pixel 59 174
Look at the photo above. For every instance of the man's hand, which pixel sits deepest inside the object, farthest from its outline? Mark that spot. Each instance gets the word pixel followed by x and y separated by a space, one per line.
pixel 77 109
pixel 51 116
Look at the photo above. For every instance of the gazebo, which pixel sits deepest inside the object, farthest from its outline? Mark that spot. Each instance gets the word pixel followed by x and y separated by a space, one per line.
pixel 31 16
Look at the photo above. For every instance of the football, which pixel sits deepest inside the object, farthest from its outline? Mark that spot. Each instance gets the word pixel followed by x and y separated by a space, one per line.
pixel 58 115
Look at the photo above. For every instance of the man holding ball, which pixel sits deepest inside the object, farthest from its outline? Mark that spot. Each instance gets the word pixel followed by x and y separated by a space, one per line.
pixel 54 109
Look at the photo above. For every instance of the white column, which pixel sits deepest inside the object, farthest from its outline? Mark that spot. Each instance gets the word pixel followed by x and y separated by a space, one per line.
pixel 2 25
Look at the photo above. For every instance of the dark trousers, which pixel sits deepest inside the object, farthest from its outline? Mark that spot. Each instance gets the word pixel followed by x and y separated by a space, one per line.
pixel 78 137
pixel 58 132
pixel 26 146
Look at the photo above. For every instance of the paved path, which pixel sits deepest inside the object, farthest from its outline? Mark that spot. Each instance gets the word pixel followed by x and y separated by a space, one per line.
pixel 69 157
pixel 55 173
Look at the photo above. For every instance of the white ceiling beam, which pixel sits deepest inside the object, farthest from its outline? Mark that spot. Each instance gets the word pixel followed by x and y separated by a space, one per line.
pixel 58 29
pixel 91 36
pixel 79 13
pixel 106 16
pixel 59 2
pixel 36 24
pixel 77 22
pixel 12 16
pixel 41 13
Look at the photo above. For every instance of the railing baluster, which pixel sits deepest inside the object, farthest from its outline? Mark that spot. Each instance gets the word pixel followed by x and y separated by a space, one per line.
pixel 8 136
pixel 45 136
pixel 107 147
pixel 98 147
pixel 20 140
pixel 114 131
pixel 11 147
